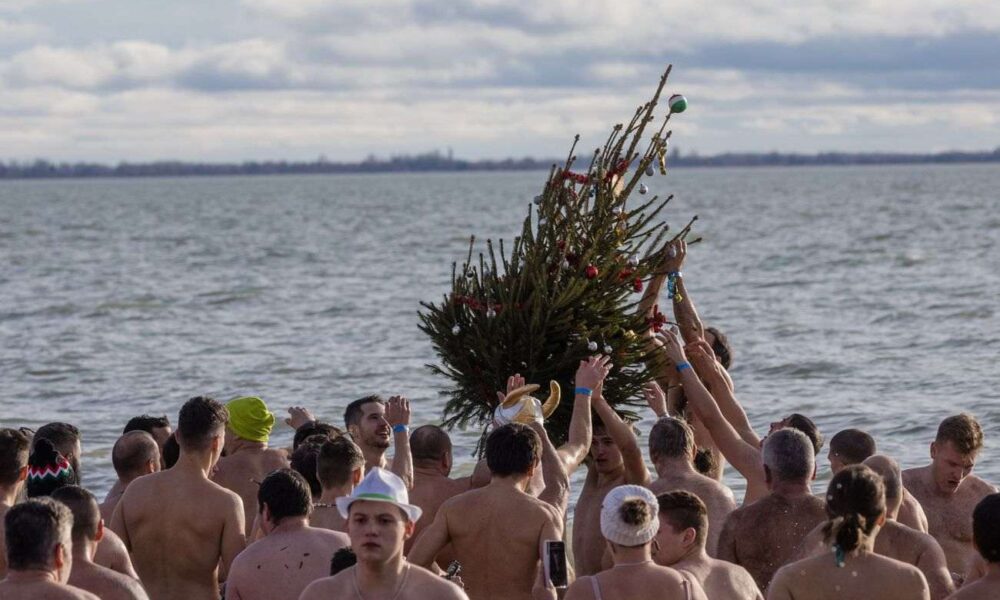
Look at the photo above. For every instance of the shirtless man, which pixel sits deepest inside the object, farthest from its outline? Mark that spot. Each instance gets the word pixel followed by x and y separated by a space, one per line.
pixel 293 554
pixel 247 458
pixel 432 461
pixel 340 467
pixel 672 450
pixel 13 471
pixel 134 454
pixel 39 553
pixel 88 529
pixel 986 535
pixel 948 491
pixel 894 539
pixel 765 535
pixel 372 423
pixel 380 518
pixel 184 530
pixel 497 531
pixel 615 459
pixel 852 447
pixel 65 438
pixel 684 524
pixel 730 428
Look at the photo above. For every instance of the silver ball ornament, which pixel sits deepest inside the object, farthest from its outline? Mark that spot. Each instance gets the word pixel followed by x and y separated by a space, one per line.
pixel 642 188
pixel 592 346
pixel 607 349
pixel 650 171
pixel 456 330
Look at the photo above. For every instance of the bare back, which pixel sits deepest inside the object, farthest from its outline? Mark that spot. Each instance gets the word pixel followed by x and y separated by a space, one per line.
pixel 283 564
pixel 986 588
pixel 718 499
pixel 326 516
pixel 178 527
pixel 766 535
pixel 911 513
pixel 43 590
pixel 949 517
pixel 868 576
pixel 496 533
pixel 243 471
pixel 112 554
pixel 721 579
pixel 105 583
pixel 429 493
pixel 635 582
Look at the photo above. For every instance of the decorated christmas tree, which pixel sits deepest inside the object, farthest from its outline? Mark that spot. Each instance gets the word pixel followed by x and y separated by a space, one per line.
pixel 567 287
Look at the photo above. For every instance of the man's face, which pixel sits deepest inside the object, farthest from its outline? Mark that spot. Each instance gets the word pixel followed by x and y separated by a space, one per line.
pixel 836 466
pixel 373 430
pixel 605 453
pixel 161 434
pixel 949 466
pixel 669 547
pixel 377 530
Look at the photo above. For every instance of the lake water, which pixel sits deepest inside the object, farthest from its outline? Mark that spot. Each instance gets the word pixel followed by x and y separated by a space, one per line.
pixel 861 296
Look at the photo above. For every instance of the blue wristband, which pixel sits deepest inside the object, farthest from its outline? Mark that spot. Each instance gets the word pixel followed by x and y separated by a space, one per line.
pixel 682 366
pixel 584 391
pixel 400 428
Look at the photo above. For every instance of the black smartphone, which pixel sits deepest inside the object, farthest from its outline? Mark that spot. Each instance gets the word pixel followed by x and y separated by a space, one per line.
pixel 454 568
pixel 555 563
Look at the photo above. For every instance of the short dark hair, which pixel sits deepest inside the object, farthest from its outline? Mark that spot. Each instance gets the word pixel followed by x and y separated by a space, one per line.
pixel 683 510
pixel 305 459
pixel 171 451
pixel 670 437
pixel 512 449
pixel 806 426
pixel 286 494
pixel 852 446
pixel 62 435
pixel 354 412
pixel 13 455
pixel 314 428
pixel 986 528
pixel 86 512
pixel 146 423
pixel 338 459
pixel 342 559
pixel 132 451
pixel 962 430
pixel 429 443
pixel 32 530
pixel 199 419
pixel 721 347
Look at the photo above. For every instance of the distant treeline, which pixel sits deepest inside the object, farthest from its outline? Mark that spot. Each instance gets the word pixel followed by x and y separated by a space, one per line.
pixel 436 161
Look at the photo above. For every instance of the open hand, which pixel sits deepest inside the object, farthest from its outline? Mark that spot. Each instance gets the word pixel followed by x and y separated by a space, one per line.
pixel 592 371
pixel 513 382
pixel 397 411
pixel 672 346
pixel 655 398
pixel 299 416
pixel 673 255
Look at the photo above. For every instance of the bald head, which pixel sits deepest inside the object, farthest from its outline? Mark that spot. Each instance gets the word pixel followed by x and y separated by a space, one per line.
pixel 892 478
pixel 135 454
pixel 431 446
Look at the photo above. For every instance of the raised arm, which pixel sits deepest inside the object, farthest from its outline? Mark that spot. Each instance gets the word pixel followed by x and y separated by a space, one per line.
pixel 623 436
pixel 744 457
pixel 397 413
pixel 589 375
pixel 672 259
pixel 556 492
pixel 719 385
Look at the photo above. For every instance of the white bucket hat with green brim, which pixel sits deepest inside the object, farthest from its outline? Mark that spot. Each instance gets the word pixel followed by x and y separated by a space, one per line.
pixel 380 485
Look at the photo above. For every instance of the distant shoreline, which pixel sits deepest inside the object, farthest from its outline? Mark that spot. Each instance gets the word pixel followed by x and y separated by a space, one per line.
pixel 437 162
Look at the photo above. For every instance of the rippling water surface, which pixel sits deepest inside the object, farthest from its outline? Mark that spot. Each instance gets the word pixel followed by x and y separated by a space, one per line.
pixel 861 296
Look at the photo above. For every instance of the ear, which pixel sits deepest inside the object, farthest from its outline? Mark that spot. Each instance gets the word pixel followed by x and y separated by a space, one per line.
pixel 690 535
pixel 408 529
pixel 60 554
pixel 358 475
pixel 934 450
pixel 22 474
pixel 100 531
pixel 881 520
pixel 152 466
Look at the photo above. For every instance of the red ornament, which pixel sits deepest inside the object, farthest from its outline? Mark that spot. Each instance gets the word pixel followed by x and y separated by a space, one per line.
pixel 637 285
pixel 658 320
pixel 591 271
pixel 625 274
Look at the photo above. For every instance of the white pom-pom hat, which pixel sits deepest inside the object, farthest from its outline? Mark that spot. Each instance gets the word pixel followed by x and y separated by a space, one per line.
pixel 618 531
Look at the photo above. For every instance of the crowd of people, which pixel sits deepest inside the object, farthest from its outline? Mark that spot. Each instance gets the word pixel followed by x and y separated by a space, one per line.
pixel 210 510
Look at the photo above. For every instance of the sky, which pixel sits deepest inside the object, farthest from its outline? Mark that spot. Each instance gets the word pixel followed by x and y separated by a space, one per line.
pixel 233 80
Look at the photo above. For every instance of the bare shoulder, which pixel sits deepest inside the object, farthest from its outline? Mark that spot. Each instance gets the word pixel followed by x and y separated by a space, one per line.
pixel 980 487
pixel 913 477
pixel 329 536
pixel 276 458
pixel 330 588
pixel 429 585
pixel 77 593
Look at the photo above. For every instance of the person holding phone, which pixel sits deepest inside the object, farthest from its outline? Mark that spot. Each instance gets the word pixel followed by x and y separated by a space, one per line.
pixel 629 522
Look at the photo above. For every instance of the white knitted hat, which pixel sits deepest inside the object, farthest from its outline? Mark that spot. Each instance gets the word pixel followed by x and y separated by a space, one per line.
pixel 618 531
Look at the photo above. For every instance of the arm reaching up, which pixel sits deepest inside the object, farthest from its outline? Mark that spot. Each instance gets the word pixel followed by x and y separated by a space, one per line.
pixel 622 435
pixel 590 375
pixel 672 259
pixel 556 492
pixel 397 413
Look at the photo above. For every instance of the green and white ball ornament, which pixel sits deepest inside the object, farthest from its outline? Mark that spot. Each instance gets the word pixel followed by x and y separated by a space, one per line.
pixel 677 103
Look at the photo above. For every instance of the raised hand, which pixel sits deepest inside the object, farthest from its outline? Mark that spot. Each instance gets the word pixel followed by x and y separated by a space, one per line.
pixel 513 382
pixel 655 398
pixel 672 346
pixel 673 256
pixel 299 416
pixel 592 371
pixel 397 411
pixel 703 360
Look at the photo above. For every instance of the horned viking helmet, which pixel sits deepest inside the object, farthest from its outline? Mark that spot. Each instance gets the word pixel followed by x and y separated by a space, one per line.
pixel 519 407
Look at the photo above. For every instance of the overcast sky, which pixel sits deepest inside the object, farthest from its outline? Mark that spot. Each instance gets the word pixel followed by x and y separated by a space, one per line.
pixel 225 80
